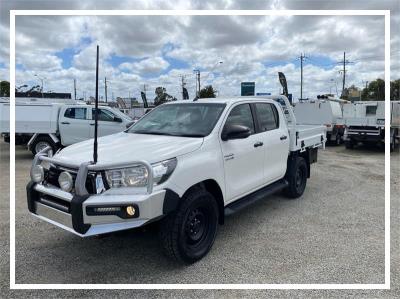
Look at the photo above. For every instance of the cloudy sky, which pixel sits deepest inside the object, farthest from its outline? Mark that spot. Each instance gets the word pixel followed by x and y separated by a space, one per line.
pixel 159 50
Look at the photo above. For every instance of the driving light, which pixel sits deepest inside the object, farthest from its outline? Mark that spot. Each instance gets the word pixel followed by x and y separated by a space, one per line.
pixel 37 173
pixel 65 181
pixel 130 210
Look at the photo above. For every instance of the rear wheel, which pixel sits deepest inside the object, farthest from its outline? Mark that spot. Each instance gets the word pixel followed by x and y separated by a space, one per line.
pixel 41 142
pixel 297 178
pixel 188 233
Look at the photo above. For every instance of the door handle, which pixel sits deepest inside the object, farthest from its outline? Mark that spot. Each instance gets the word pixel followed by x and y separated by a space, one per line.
pixel 92 124
pixel 283 137
pixel 259 143
pixel 65 123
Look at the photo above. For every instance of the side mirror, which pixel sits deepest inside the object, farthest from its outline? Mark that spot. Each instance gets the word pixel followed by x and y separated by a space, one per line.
pixel 117 119
pixel 235 132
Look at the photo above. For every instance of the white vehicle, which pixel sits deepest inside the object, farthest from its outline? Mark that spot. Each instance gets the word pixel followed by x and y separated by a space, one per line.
pixel 365 122
pixel 322 112
pixel 186 163
pixel 55 125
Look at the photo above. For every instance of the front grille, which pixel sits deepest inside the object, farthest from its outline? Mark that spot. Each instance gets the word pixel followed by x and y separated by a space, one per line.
pixel 363 128
pixel 53 173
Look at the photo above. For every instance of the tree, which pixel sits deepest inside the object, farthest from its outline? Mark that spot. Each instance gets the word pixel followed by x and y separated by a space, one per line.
pixel 4 88
pixel 162 96
pixel 207 92
pixel 375 91
pixel 395 90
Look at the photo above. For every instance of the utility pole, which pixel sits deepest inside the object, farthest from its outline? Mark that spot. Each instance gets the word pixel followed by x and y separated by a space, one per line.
pixel 197 72
pixel 302 57
pixel 344 71
pixel 75 88
pixel 105 88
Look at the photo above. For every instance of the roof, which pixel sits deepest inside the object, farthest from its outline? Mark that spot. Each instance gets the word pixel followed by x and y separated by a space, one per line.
pixel 225 100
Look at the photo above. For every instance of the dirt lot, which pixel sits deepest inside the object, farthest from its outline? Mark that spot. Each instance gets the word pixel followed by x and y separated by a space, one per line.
pixel 333 234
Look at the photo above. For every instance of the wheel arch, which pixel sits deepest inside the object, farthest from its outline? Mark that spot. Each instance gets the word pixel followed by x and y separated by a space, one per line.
pixel 172 199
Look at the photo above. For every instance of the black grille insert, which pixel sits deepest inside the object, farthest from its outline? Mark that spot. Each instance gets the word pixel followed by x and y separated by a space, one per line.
pixel 53 173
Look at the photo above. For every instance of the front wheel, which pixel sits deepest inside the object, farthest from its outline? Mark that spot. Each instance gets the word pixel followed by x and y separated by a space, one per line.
pixel 297 178
pixel 41 142
pixel 349 144
pixel 188 233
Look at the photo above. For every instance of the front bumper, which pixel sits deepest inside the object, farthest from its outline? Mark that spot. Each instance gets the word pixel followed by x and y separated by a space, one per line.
pixel 69 211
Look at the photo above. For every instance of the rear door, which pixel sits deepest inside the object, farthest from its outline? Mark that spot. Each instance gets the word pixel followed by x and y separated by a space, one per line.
pixel 74 125
pixel 108 122
pixel 243 158
pixel 275 136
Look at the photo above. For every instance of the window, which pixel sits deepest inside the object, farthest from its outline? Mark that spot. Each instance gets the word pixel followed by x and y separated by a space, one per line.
pixel 241 115
pixel 371 110
pixel 103 115
pixel 267 116
pixel 180 119
pixel 76 113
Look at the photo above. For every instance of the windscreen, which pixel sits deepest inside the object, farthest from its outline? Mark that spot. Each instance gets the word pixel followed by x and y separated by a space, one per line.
pixel 180 119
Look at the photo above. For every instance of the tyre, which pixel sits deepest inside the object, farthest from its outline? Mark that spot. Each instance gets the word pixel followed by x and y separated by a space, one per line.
pixel 393 144
pixel 338 139
pixel 188 233
pixel 349 144
pixel 41 142
pixel 297 178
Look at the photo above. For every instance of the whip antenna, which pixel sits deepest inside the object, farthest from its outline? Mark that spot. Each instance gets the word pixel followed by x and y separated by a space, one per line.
pixel 96 105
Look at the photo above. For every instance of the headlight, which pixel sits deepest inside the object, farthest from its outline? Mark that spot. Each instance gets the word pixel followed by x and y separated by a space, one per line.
pixel 65 181
pixel 163 170
pixel 138 176
pixel 127 177
pixel 37 173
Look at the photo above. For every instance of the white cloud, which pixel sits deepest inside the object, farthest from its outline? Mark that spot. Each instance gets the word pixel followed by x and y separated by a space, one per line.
pixel 244 44
pixel 152 65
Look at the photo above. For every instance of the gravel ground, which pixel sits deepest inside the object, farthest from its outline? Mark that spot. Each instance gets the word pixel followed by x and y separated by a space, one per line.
pixel 333 234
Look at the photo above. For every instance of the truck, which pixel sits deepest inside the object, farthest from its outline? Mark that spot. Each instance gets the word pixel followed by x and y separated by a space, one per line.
pixel 58 125
pixel 185 165
pixel 365 123
pixel 322 112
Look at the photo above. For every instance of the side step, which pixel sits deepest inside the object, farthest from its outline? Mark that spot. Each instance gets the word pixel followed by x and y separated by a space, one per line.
pixel 254 197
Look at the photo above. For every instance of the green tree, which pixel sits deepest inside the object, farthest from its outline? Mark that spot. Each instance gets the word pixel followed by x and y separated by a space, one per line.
pixel 207 92
pixel 4 88
pixel 395 90
pixel 375 91
pixel 162 96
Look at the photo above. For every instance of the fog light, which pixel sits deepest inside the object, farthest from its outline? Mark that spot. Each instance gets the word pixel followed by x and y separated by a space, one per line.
pixel 130 210
pixel 37 174
pixel 65 181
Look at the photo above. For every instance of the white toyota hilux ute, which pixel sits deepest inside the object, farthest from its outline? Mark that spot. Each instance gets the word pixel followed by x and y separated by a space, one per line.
pixel 186 163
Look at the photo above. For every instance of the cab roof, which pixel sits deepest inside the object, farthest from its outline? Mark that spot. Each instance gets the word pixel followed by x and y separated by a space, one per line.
pixel 227 100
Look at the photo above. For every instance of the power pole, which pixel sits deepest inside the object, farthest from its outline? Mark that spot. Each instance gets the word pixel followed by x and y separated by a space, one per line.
pixel 302 57
pixel 75 88
pixel 344 71
pixel 105 88
pixel 197 72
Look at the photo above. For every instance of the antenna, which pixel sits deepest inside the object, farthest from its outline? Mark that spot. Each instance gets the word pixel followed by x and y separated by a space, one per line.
pixel 96 108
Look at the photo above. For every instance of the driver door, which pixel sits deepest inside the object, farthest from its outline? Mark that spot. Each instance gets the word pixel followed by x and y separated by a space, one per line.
pixel 243 158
